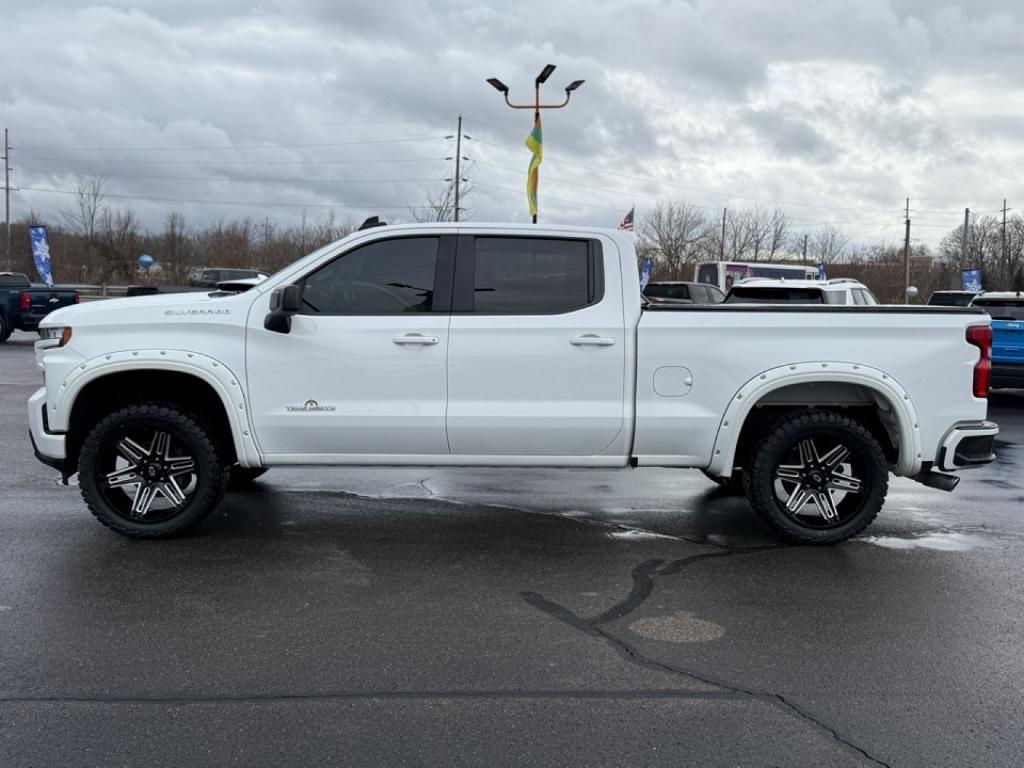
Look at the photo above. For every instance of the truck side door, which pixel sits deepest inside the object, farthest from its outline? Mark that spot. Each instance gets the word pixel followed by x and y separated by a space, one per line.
pixel 536 363
pixel 362 372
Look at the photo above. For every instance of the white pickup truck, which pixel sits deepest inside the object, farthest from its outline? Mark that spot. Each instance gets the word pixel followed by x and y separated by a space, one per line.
pixel 504 345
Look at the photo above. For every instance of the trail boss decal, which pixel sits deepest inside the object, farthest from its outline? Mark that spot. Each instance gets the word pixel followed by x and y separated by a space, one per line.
pixel 310 405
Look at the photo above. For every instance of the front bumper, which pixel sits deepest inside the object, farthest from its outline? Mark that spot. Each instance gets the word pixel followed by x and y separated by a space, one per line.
pixel 49 447
pixel 966 445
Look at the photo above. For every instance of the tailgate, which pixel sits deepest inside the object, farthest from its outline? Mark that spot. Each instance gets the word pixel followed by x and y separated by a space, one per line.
pixel 1008 341
pixel 44 301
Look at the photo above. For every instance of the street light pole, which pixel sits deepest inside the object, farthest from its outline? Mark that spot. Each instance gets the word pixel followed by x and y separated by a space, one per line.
pixel 536 106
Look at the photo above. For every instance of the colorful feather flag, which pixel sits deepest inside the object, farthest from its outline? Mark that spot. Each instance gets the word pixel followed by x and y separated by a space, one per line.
pixel 535 143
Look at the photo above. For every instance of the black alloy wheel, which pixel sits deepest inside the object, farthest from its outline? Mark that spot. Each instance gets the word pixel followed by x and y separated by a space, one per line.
pixel 818 477
pixel 150 471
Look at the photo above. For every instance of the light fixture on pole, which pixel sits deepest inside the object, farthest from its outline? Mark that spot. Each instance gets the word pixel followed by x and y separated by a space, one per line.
pixel 535 140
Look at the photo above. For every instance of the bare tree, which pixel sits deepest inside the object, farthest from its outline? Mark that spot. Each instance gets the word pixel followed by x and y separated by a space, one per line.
pixel 828 244
pixel 118 239
pixel 674 229
pixel 779 233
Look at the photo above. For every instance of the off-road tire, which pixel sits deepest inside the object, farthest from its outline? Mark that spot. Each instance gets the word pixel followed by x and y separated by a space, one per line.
pixel 780 439
pixel 210 477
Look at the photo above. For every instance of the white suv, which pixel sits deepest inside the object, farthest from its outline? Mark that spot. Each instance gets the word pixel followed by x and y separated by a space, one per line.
pixel 763 290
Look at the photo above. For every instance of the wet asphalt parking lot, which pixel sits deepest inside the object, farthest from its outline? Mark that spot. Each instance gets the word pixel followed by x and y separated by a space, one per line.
pixel 508 617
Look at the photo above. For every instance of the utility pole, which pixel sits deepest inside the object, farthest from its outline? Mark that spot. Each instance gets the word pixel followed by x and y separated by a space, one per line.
pixel 458 167
pixel 803 257
pixel 1004 236
pixel 724 211
pixel 906 258
pixel 7 196
pixel 963 243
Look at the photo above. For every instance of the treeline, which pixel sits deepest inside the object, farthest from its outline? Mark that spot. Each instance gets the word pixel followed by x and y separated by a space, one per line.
pixel 98 244
pixel 93 242
pixel 677 235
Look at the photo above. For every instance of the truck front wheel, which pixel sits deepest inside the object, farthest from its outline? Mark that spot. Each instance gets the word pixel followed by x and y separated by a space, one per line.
pixel 151 471
pixel 818 477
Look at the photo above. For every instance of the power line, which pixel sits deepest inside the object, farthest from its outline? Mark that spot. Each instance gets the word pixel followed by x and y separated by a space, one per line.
pixel 367 207
pixel 228 146
pixel 229 179
pixel 662 182
pixel 242 162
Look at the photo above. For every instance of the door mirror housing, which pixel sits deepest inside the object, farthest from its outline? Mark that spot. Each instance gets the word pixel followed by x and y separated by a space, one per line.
pixel 284 302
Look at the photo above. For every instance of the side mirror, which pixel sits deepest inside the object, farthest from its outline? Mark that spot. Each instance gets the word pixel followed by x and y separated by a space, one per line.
pixel 284 302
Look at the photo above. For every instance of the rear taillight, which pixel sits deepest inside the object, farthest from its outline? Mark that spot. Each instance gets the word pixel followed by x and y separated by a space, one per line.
pixel 78 298
pixel 26 302
pixel 981 337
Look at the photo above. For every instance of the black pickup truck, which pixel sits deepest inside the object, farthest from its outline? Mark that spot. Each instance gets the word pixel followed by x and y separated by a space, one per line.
pixel 23 305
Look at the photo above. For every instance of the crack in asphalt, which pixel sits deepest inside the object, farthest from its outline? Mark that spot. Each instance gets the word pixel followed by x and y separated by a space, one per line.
pixel 643 576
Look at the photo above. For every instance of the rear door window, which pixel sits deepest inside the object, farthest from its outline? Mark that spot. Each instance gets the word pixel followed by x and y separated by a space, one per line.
pixel 534 276
pixel 699 294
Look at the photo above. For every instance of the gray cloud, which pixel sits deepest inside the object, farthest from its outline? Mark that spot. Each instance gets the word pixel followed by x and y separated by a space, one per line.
pixel 220 108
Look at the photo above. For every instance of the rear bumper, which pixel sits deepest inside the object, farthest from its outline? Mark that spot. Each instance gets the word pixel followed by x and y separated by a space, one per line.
pixel 1009 375
pixel 966 445
pixel 49 447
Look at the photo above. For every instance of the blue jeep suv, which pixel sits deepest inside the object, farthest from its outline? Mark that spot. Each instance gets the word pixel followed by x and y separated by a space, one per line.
pixel 1007 312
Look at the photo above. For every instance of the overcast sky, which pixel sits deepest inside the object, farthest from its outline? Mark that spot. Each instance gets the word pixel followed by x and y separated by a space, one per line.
pixel 835 111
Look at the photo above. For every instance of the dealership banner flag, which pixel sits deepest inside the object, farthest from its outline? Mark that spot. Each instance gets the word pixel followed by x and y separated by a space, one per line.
pixel 535 143
pixel 41 253
pixel 645 273
pixel 972 279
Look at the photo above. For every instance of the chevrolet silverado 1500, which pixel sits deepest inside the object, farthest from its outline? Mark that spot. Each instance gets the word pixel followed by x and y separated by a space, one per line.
pixel 507 345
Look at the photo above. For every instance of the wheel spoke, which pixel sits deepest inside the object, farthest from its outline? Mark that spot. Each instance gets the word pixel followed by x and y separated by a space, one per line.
pixel 143 499
pixel 841 482
pixel 808 452
pixel 798 498
pixel 826 505
pixel 172 492
pixel 180 466
pixel 835 457
pixel 121 477
pixel 789 472
pixel 131 450
pixel 161 446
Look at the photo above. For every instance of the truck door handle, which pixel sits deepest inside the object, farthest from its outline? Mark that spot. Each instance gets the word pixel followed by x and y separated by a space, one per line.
pixel 591 340
pixel 415 338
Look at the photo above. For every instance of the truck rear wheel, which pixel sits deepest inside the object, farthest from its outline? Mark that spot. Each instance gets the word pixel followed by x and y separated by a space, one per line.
pixel 5 330
pixel 151 471
pixel 818 477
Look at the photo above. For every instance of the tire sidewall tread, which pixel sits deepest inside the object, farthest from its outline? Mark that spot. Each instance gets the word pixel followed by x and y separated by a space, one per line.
pixel 760 481
pixel 212 482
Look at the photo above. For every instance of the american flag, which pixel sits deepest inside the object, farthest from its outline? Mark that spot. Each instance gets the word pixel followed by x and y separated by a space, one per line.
pixel 627 220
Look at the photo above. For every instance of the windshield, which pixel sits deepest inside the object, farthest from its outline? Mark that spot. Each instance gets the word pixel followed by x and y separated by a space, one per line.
pixel 950 299
pixel 1002 309
pixel 663 291
pixel 780 295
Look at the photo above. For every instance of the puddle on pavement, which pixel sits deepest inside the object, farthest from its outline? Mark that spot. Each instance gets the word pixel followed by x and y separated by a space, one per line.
pixel 634 534
pixel 678 627
pixel 943 541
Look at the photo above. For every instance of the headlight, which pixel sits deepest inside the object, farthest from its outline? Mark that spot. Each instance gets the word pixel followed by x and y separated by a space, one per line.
pixel 59 333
